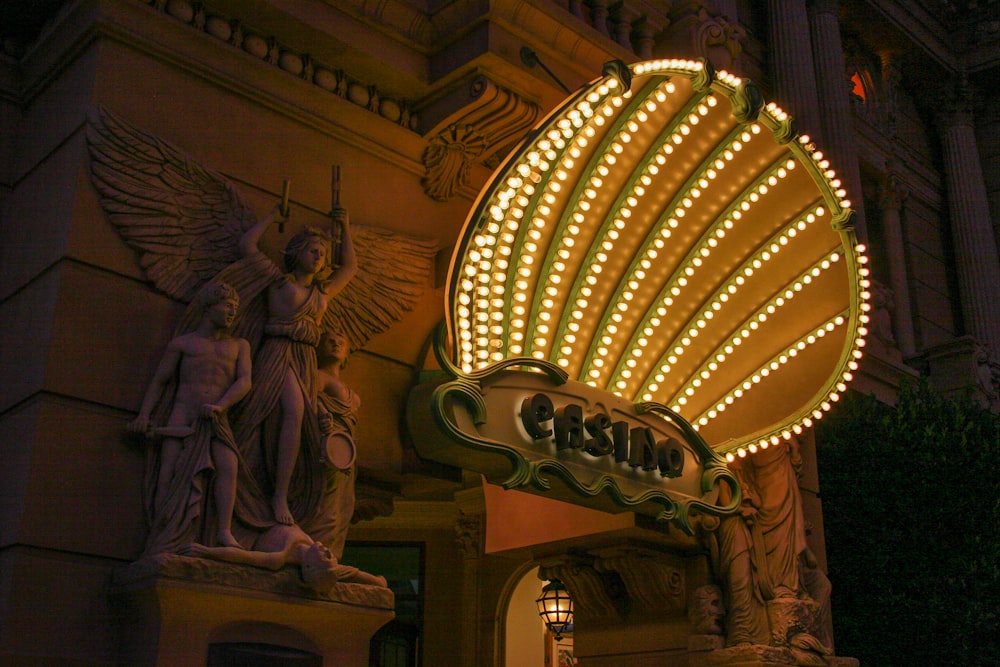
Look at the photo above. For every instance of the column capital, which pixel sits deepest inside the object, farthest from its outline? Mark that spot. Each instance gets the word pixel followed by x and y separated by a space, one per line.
pixel 825 7
pixel 957 106
pixel 892 192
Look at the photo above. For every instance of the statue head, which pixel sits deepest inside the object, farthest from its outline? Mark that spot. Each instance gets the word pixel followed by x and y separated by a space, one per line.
pixel 333 348
pixel 319 567
pixel 219 302
pixel 305 239
pixel 217 291
pixel 705 610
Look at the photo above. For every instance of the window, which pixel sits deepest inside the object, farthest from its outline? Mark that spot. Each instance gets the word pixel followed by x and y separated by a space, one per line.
pixel 397 644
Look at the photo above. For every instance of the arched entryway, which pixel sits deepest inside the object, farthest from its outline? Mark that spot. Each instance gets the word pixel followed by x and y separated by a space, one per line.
pixel 525 640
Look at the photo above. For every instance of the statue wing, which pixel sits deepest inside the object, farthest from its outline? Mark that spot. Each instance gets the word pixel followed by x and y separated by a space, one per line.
pixel 184 220
pixel 393 271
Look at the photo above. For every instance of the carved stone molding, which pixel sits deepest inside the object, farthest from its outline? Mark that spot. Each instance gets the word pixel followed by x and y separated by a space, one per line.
pixel 698 31
pixel 269 48
pixel 654 581
pixel 596 598
pixel 468 534
pixel 372 501
pixel 479 120
pixel 155 570
pixel 612 584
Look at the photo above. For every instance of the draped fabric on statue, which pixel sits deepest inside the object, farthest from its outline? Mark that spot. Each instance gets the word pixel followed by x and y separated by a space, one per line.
pixel 278 347
pixel 330 523
pixel 746 620
pixel 779 519
pixel 286 347
pixel 187 514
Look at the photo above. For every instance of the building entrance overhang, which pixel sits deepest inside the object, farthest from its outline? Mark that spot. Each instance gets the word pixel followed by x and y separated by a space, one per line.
pixel 663 276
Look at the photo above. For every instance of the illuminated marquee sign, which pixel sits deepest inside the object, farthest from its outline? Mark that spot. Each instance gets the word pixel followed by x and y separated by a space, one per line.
pixel 538 431
pixel 664 238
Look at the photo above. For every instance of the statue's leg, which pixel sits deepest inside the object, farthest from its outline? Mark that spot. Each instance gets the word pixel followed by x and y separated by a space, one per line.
pixel 292 409
pixel 226 464
pixel 170 449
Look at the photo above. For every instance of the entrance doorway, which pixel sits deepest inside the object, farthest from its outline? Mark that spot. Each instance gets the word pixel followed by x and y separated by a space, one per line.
pixel 527 642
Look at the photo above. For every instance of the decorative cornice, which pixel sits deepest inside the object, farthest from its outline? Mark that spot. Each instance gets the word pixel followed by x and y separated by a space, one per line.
pixel 488 119
pixel 269 48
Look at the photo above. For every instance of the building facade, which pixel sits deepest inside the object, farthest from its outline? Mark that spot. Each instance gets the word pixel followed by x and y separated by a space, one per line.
pixel 417 103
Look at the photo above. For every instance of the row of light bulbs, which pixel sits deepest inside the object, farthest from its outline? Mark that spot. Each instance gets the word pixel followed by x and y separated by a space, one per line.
pixel 744 332
pixel 516 294
pixel 597 372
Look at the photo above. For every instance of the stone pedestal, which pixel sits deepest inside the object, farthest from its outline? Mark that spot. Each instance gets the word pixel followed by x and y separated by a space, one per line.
pixel 177 611
pixel 752 655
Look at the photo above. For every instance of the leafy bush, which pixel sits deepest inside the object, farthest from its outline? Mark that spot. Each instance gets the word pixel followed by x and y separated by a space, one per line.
pixel 911 507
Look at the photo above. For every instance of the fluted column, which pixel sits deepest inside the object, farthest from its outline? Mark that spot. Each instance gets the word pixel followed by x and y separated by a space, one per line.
pixel 972 232
pixel 792 62
pixel 833 88
pixel 892 197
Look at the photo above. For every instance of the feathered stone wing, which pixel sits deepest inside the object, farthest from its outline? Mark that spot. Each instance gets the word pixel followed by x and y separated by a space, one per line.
pixel 184 220
pixel 393 271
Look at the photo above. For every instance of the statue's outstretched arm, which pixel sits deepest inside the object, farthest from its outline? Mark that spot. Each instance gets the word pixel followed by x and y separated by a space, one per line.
pixel 265 559
pixel 250 241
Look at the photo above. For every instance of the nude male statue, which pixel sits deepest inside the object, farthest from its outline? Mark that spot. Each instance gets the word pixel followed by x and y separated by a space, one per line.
pixel 211 372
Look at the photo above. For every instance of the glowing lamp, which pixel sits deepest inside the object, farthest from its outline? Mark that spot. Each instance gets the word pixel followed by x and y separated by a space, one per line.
pixel 556 608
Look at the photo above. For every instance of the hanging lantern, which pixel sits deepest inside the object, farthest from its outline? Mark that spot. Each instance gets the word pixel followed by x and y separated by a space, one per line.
pixel 556 608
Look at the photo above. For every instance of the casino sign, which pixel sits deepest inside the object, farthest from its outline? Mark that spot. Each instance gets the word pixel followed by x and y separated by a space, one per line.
pixel 663 276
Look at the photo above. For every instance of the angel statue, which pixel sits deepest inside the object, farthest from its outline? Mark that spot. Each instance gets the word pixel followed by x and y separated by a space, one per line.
pixel 190 225
pixel 280 414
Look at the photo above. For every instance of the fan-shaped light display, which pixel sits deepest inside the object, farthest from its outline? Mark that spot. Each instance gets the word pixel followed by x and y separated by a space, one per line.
pixel 666 236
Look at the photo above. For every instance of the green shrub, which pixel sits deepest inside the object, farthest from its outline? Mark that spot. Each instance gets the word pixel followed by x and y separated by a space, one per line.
pixel 911 509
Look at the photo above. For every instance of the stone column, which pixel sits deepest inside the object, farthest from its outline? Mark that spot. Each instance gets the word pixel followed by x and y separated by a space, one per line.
pixel 621 17
pixel 891 201
pixel 469 536
pixel 792 62
pixel 645 39
pixel 833 88
pixel 599 16
pixel 972 232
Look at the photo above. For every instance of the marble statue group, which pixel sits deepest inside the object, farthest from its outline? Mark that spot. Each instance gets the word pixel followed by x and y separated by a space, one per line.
pixel 251 454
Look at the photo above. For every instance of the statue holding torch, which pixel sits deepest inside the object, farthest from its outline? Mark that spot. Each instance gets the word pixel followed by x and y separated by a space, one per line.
pixel 279 416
